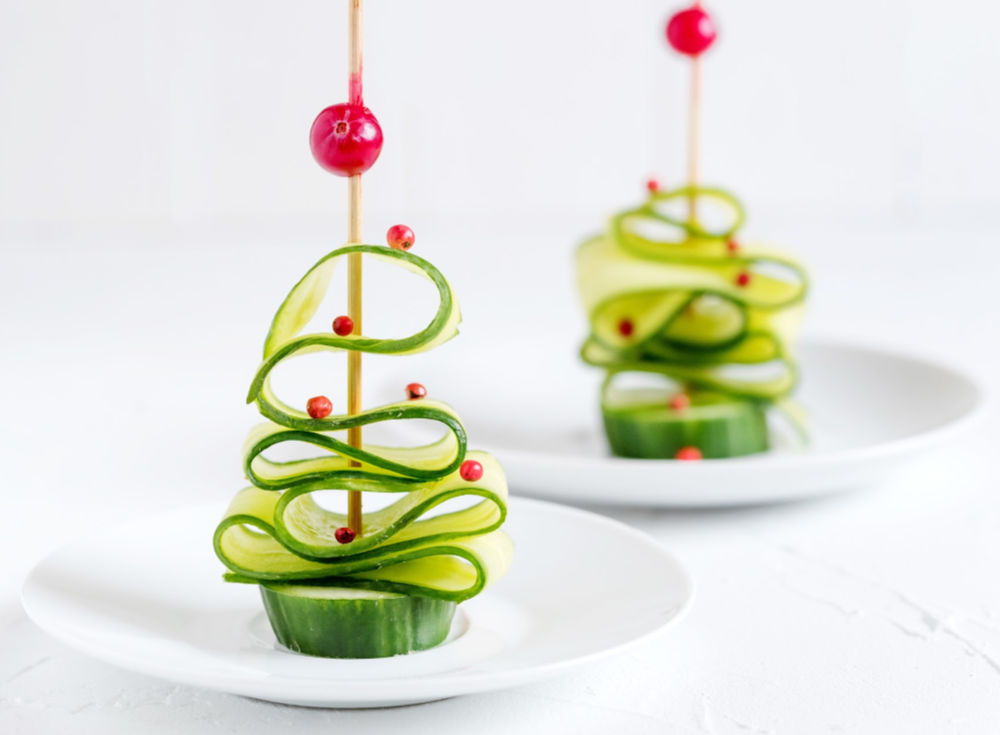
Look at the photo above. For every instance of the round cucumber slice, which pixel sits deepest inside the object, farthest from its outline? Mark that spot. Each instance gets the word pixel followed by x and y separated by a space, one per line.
pixel 339 622
pixel 640 423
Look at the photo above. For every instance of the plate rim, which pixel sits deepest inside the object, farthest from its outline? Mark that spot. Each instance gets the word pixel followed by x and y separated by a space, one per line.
pixel 982 399
pixel 353 693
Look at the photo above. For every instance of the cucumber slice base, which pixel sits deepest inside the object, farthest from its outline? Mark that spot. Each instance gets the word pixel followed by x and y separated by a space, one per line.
pixel 337 622
pixel 717 425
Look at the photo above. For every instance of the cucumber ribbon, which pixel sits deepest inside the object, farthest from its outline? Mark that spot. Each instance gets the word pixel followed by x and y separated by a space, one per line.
pixel 700 311
pixel 274 531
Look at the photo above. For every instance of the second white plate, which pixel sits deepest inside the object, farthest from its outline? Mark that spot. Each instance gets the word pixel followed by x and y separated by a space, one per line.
pixel 870 411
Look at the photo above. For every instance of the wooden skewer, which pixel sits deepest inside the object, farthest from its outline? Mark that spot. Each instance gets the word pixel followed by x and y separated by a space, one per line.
pixel 354 284
pixel 693 115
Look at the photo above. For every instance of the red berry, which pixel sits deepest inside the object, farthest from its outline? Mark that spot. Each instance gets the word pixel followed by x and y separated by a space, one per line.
pixel 732 246
pixel 400 237
pixel 470 470
pixel 680 401
pixel 415 390
pixel 345 139
pixel 653 185
pixel 626 327
pixel 742 278
pixel 319 407
pixel 343 325
pixel 690 31
pixel 688 453
pixel 344 535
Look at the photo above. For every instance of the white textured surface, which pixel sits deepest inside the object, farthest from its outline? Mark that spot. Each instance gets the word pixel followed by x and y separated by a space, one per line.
pixel 124 362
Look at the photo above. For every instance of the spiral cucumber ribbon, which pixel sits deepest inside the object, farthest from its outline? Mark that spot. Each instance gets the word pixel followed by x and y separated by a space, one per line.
pixel 274 531
pixel 677 283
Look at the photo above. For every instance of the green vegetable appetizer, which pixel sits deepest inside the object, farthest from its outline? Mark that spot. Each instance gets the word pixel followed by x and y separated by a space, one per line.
pixel 671 298
pixel 394 587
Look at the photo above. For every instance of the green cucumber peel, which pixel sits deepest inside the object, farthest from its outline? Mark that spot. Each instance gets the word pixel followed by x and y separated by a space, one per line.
pixel 305 297
pixel 704 374
pixel 340 623
pixel 284 342
pixel 271 475
pixel 642 424
pixel 275 532
pixel 689 318
pixel 692 228
pixel 307 530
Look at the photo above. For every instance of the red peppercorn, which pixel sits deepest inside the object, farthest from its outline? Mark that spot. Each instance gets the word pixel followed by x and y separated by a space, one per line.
pixel 400 237
pixel 680 401
pixel 343 325
pixel 688 453
pixel 345 139
pixel 319 407
pixel 653 185
pixel 415 391
pixel 732 246
pixel 742 278
pixel 690 31
pixel 626 327
pixel 344 535
pixel 470 470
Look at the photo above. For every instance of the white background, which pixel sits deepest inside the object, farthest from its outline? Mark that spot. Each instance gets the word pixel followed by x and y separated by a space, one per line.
pixel 180 110
pixel 157 199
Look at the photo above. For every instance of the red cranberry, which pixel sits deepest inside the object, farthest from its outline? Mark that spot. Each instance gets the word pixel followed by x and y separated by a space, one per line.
pixel 319 407
pixel 345 139
pixel 690 31
pixel 415 390
pixel 343 325
pixel 743 278
pixel 688 453
pixel 470 470
pixel 400 237
pixel 626 327
pixel 653 185
pixel 344 535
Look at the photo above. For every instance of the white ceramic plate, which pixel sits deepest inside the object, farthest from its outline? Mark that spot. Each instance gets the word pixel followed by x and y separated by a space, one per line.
pixel 870 410
pixel 148 596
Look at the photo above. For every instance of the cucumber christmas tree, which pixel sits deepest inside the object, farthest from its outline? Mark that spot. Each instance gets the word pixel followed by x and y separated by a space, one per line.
pixel 670 291
pixel 356 584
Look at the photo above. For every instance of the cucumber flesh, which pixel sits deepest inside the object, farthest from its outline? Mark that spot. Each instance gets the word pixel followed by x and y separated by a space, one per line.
pixel 337 622
pixel 644 426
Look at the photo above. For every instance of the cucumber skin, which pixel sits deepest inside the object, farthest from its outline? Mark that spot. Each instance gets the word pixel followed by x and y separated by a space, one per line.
pixel 356 628
pixel 657 433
